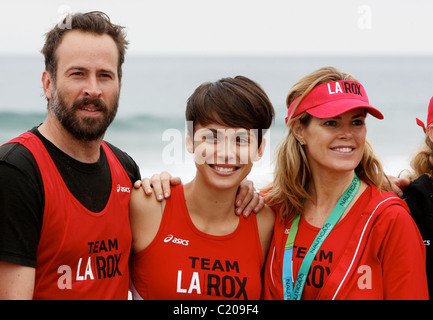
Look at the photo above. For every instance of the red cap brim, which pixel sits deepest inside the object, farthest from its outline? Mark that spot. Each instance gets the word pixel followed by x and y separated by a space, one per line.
pixel 332 99
pixel 335 108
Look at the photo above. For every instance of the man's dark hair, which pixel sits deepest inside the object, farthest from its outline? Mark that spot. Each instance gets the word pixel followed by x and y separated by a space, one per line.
pixel 94 22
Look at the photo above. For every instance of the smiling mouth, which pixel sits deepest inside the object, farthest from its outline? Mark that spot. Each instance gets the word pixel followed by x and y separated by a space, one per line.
pixel 343 149
pixel 90 108
pixel 224 169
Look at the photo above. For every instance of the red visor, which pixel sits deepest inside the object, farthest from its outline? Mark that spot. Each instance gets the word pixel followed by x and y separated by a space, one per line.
pixel 331 99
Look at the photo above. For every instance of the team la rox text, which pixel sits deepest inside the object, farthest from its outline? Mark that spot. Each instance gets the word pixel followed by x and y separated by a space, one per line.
pixel 97 265
pixel 208 283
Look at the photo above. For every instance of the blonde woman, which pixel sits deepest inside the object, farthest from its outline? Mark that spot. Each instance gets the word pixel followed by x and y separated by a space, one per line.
pixel 339 234
pixel 419 193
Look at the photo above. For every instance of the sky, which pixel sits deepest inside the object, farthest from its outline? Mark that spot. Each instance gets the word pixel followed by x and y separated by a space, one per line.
pixel 237 27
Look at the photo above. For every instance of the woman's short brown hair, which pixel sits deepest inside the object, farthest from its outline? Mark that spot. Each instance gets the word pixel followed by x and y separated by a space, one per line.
pixel 234 102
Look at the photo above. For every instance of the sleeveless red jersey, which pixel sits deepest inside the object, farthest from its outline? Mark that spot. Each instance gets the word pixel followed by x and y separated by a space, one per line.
pixel 81 254
pixel 375 252
pixel 184 263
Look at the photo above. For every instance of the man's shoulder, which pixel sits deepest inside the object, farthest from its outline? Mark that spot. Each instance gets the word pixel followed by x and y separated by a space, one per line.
pixel 121 155
pixel 127 162
pixel 15 154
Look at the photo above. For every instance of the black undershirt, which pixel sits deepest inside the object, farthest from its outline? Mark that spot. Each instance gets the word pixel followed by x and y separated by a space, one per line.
pixel 22 193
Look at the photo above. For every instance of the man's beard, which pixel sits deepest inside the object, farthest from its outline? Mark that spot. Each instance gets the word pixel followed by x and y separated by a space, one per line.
pixel 87 128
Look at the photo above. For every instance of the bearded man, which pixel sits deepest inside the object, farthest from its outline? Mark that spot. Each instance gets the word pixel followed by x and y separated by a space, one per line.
pixel 64 192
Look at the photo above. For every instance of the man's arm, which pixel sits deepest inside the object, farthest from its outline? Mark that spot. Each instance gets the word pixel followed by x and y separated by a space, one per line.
pixel 21 211
pixel 159 183
pixel 16 282
pixel 247 200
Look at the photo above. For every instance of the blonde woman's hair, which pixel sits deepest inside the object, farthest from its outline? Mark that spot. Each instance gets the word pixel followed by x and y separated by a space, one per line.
pixel 292 171
pixel 422 163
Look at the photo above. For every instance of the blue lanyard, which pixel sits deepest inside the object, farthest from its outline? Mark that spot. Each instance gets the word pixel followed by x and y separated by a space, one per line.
pixel 294 291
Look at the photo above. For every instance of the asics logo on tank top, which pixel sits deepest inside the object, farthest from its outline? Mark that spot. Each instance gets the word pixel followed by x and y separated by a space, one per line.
pixel 173 239
pixel 123 189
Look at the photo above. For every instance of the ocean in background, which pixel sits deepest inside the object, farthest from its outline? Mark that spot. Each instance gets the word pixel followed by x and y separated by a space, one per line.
pixel 150 123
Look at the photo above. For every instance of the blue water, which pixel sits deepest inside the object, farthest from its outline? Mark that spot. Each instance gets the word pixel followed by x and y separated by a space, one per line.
pixel 150 122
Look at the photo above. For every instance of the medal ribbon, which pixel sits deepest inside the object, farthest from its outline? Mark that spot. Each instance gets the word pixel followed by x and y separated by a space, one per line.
pixel 294 292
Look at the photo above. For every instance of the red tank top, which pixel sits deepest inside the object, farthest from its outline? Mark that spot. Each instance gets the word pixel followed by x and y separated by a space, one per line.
pixel 184 263
pixel 81 254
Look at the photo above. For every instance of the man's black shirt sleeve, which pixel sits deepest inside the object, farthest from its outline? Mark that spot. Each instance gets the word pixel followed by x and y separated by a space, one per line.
pixel 21 205
pixel 22 198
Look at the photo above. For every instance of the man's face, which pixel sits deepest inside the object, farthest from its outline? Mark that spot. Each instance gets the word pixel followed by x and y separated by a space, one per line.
pixel 85 94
